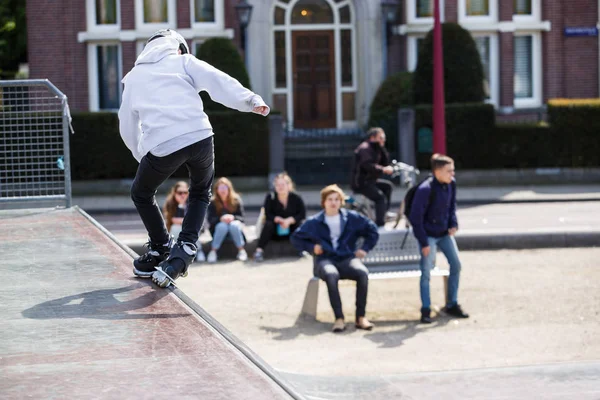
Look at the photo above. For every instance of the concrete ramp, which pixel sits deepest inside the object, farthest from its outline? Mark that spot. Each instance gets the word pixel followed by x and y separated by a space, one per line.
pixel 75 323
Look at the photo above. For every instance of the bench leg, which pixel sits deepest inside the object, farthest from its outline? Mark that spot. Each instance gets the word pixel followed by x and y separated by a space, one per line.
pixel 311 298
pixel 446 288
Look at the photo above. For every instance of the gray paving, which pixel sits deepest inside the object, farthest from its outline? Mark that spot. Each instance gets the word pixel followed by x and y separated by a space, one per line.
pixel 533 331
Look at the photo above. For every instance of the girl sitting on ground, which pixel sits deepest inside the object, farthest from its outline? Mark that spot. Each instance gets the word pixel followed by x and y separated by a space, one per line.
pixel 284 212
pixel 225 216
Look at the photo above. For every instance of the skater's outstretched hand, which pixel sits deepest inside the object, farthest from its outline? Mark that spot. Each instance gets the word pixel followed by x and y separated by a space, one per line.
pixel 262 110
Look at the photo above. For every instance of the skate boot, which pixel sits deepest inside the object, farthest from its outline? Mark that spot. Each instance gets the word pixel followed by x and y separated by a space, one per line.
pixel 181 256
pixel 145 265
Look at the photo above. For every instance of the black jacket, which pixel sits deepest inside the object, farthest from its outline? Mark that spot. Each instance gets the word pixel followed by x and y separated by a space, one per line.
pixel 369 160
pixel 295 208
pixel 212 217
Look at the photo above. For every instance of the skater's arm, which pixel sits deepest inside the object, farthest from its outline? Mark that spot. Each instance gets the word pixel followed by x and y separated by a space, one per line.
pixel 129 125
pixel 223 88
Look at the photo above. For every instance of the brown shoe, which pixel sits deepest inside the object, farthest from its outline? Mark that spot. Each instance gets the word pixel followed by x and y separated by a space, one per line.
pixel 339 326
pixel 363 323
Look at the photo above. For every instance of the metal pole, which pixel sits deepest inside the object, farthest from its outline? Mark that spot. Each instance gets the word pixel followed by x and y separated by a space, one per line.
pixel 439 115
pixel 67 151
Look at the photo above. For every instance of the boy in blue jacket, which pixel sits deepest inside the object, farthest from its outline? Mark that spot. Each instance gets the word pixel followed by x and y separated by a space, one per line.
pixel 433 218
pixel 331 236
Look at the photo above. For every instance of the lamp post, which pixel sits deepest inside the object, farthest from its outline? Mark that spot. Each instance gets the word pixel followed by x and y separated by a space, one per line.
pixel 244 12
pixel 439 112
pixel 388 10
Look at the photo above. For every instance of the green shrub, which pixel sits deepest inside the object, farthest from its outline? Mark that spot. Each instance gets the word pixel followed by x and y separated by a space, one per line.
pixel 577 126
pixel 463 71
pixel 97 151
pixel 222 54
pixel 468 130
pixel 526 146
pixel 393 93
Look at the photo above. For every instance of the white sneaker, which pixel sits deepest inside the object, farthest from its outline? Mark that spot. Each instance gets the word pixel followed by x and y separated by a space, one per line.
pixel 200 257
pixel 242 255
pixel 212 257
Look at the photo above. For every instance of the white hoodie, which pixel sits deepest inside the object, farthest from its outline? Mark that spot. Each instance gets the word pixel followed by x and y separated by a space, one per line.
pixel 161 106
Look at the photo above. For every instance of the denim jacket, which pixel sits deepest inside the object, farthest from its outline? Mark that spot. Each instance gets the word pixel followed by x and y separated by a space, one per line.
pixel 353 226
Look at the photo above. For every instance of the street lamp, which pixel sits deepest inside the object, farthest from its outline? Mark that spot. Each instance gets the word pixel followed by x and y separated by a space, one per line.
pixel 389 9
pixel 244 12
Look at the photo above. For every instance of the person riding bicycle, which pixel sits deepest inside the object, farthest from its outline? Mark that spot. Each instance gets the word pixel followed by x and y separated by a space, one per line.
pixel 371 162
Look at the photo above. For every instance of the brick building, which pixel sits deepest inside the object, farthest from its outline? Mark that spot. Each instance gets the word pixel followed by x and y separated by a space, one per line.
pixel 321 61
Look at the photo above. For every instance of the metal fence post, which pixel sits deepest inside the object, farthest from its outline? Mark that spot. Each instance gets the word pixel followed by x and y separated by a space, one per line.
pixel 276 146
pixel 406 136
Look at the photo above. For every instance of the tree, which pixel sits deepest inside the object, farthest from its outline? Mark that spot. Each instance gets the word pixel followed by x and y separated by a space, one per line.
pixel 463 71
pixel 222 54
pixel 13 37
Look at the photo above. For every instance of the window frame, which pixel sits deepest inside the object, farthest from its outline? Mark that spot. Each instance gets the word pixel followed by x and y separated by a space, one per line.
pixel 93 89
pixel 411 47
pixel 219 22
pixel 536 71
pixel 494 63
pixel 154 26
pixel 411 13
pixel 536 13
pixel 491 18
pixel 91 18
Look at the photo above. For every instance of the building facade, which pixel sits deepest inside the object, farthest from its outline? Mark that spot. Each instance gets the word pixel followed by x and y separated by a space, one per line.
pixel 320 62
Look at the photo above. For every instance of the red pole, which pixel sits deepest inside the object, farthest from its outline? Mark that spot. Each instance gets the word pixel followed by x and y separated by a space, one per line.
pixel 439 114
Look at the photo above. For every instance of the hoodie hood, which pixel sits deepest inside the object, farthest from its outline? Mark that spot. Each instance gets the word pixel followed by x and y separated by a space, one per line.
pixel 157 49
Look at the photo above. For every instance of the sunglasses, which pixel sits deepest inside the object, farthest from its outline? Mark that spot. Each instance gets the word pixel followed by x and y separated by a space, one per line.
pixel 182 193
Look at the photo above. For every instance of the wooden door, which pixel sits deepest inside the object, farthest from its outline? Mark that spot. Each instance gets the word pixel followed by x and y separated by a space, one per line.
pixel 314 79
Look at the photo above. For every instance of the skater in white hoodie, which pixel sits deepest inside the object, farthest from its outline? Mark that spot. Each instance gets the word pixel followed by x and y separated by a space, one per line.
pixel 163 123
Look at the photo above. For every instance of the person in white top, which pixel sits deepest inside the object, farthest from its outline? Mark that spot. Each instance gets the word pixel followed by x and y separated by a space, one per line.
pixel 163 123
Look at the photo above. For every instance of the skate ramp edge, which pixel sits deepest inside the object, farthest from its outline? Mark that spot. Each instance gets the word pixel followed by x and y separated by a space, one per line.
pixel 76 323
pixel 207 318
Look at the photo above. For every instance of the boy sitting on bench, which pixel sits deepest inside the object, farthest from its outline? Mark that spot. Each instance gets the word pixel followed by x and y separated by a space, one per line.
pixel 331 236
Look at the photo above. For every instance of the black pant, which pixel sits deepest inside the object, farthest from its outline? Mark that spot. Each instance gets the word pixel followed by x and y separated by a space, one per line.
pixel 269 232
pixel 153 171
pixel 353 269
pixel 380 192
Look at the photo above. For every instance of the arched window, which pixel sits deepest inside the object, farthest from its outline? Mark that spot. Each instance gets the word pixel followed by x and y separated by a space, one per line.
pixel 328 77
pixel 312 12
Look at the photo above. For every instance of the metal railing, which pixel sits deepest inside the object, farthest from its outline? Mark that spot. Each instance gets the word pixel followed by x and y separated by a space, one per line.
pixel 34 142
pixel 321 156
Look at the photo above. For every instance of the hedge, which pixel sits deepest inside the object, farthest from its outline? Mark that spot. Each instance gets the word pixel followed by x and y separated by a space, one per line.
pixel 468 130
pixel 578 122
pixel 97 151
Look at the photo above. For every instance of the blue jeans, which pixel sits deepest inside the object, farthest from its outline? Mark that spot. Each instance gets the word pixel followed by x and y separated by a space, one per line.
pixel 447 245
pixel 233 229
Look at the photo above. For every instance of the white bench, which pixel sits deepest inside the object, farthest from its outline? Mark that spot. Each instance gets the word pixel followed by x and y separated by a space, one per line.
pixel 396 255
